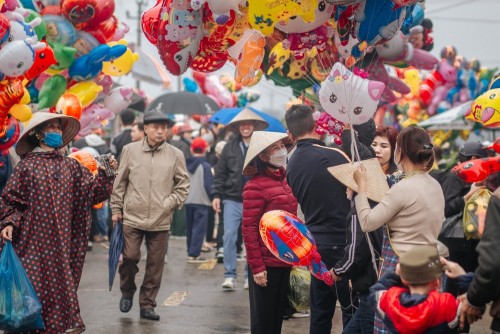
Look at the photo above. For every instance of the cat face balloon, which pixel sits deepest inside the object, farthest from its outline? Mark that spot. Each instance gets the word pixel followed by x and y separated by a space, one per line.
pixel 348 97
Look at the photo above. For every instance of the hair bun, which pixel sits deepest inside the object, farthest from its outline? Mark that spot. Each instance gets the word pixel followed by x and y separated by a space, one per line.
pixel 428 146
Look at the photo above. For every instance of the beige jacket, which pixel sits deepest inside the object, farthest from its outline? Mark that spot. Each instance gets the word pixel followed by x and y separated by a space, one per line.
pixel 150 184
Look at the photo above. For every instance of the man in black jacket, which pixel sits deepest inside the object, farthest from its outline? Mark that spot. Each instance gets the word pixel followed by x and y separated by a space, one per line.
pixel 323 201
pixel 127 117
pixel 228 187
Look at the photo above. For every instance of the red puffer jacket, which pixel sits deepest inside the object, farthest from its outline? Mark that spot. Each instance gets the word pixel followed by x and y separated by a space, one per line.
pixel 264 192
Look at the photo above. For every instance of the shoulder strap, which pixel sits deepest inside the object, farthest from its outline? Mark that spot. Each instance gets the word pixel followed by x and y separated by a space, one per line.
pixel 334 149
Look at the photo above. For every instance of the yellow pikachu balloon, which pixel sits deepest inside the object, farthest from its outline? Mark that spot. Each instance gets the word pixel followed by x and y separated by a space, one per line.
pixel 86 92
pixel 121 65
pixel 277 57
pixel 264 14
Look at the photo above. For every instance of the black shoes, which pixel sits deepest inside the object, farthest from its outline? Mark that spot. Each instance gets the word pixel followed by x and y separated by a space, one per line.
pixel 149 314
pixel 125 304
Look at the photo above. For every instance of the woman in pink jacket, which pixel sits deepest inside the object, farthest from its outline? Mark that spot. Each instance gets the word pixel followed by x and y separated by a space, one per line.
pixel 265 191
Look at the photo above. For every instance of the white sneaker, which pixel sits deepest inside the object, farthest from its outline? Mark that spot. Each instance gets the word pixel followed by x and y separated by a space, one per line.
pixel 245 286
pixel 229 283
pixel 304 314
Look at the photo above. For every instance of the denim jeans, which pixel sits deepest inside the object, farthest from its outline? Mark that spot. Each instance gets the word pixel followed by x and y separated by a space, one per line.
pixel 362 320
pixel 232 220
pixel 102 220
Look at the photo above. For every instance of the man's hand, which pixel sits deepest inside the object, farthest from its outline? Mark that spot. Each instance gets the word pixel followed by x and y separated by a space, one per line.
pixel 116 218
pixel 334 276
pixel 452 269
pixel 216 204
pixel 468 312
pixel 261 278
pixel 7 232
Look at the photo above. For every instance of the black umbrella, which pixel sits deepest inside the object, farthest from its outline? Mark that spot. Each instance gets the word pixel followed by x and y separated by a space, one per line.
pixel 185 103
pixel 115 250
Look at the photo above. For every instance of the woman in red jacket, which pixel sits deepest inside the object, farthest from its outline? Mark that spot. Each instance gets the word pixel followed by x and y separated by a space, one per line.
pixel 267 190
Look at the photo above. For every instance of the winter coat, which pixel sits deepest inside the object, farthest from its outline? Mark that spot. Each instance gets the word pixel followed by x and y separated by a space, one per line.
pixel 201 181
pixel 150 184
pixel 120 141
pixel 364 135
pixel 229 181
pixel 403 312
pixel 264 192
pixel 486 283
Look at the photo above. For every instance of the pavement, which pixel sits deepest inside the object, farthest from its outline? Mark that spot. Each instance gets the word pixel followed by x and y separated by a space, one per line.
pixel 190 300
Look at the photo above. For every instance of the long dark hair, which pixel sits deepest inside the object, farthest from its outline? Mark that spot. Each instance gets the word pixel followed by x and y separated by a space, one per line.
pixel 391 134
pixel 414 143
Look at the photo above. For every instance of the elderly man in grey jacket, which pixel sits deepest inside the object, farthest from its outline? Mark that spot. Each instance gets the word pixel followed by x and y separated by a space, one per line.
pixel 152 181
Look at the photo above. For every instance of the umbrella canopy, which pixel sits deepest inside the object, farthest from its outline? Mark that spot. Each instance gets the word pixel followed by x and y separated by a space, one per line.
pixel 224 116
pixel 453 119
pixel 115 250
pixel 184 103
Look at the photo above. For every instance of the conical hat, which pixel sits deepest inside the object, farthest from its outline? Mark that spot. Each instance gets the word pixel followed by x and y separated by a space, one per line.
pixel 70 127
pixel 376 185
pixel 259 142
pixel 248 115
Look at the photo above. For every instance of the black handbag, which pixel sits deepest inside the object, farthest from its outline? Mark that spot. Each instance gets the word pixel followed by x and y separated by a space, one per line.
pixel 453 227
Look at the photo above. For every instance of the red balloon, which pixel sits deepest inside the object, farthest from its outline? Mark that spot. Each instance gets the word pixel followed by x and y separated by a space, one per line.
pixel 69 105
pixel 4 28
pixel 150 22
pixel 105 31
pixel 79 11
pixel 104 10
pixel 10 93
pixel 477 170
pixel 44 58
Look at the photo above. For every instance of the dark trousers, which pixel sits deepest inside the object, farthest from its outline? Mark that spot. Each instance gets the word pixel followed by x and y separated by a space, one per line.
pixel 267 304
pixel 220 229
pixel 211 225
pixel 156 244
pixel 324 298
pixel 362 320
pixel 196 227
pixel 463 252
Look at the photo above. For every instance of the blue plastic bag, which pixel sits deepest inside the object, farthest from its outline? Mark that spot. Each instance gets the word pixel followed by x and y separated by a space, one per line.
pixel 20 309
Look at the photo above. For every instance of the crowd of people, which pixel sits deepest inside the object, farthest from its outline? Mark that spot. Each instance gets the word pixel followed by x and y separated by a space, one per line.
pixel 388 254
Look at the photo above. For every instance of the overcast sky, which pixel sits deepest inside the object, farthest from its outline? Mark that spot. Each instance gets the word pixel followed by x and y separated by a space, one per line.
pixel 470 25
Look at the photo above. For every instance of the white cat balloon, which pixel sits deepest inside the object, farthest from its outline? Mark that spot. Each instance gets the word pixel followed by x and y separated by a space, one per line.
pixel 348 97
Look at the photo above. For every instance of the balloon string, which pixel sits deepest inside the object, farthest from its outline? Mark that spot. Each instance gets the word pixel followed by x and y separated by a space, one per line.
pixel 354 147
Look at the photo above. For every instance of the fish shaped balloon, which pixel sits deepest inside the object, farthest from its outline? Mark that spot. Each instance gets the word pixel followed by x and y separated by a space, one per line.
pixel 478 169
pixel 290 241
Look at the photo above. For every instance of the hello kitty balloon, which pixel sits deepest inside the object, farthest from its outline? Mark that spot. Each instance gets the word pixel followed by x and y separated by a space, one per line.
pixel 348 97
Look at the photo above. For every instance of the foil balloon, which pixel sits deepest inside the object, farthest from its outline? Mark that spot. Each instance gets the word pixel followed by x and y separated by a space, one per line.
pixel 291 242
pixel 250 59
pixel 93 117
pixel 59 29
pixel 17 57
pixel 79 11
pixel 86 92
pixel 84 43
pixel 221 9
pixel 326 124
pixel 118 99
pixel 86 159
pixel 278 56
pixel 444 75
pixel 299 43
pixel 69 105
pixel 104 10
pixel 89 66
pixel 121 31
pixel 9 134
pixel 296 24
pixel 348 97
pixel 11 93
pixel 475 214
pixel 263 15
pixel 104 31
pixel 44 58
pixel 121 65
pixel 486 109
pixel 150 22
pixel 477 170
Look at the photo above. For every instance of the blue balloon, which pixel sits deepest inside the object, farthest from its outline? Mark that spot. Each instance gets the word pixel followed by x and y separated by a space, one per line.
pixel 190 85
pixel 59 29
pixel 89 66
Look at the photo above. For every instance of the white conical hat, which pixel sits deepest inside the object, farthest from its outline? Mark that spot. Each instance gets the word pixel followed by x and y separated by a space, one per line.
pixel 376 186
pixel 248 115
pixel 70 127
pixel 259 142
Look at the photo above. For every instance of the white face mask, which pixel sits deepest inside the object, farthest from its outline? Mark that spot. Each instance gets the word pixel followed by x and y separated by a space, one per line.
pixel 279 158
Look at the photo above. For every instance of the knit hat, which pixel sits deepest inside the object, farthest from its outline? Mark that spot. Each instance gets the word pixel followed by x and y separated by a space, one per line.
pixel 248 115
pixel 70 127
pixel 199 145
pixel 259 142
pixel 420 265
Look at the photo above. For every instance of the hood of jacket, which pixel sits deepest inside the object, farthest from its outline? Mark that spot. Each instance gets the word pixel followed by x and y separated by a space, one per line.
pixel 192 163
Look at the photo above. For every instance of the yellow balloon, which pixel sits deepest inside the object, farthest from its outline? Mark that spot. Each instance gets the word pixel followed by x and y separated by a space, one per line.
pixel 278 57
pixel 21 112
pixel 121 65
pixel 264 14
pixel 86 91
pixel 26 97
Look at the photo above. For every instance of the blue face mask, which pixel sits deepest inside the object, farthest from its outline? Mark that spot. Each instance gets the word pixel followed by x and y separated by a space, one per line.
pixel 53 139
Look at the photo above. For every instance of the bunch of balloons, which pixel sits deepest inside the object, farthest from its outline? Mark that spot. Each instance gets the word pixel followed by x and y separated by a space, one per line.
pixel 59 56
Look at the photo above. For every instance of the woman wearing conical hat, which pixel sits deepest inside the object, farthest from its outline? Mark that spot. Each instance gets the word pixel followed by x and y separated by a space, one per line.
pixel 265 191
pixel 45 212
